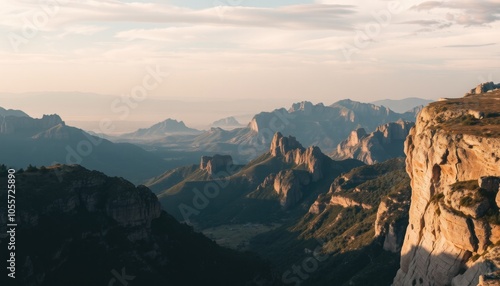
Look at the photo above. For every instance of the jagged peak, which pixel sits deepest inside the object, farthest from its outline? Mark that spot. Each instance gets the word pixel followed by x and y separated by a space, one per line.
pixel 305 106
pixel 53 119
pixel 281 145
pixel 216 163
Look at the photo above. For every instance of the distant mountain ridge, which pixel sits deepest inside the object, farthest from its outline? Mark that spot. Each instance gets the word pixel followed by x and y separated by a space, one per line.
pixel 312 124
pixel 403 105
pixel 12 112
pixel 162 129
pixel 48 140
pixel 228 122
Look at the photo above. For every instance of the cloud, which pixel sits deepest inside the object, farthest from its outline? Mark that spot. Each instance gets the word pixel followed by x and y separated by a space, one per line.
pixel 470 46
pixel 306 16
pixel 465 12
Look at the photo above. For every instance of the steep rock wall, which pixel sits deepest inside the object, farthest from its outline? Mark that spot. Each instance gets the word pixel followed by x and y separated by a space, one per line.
pixel 448 152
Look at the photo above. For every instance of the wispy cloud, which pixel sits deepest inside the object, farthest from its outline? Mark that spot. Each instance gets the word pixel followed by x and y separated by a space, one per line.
pixel 465 12
pixel 470 46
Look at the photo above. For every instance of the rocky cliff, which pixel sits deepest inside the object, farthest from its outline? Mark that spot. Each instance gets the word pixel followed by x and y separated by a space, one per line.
pixel 384 143
pixel 483 88
pixel 216 164
pixel 288 184
pixel 453 161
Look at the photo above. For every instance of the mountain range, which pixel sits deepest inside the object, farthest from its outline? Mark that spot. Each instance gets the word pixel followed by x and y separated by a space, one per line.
pixel 402 203
pixel 49 140
pixel 307 197
pixel 403 105
pixel 319 125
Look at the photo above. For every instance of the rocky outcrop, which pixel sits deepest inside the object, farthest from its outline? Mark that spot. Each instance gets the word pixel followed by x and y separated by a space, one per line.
pixel 292 152
pixel 384 143
pixel 451 157
pixel 24 124
pixel 216 164
pixel 288 184
pixel 482 88
pixel 392 220
pixel 348 203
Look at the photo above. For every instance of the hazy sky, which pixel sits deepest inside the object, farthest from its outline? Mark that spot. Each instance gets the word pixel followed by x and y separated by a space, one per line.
pixel 221 50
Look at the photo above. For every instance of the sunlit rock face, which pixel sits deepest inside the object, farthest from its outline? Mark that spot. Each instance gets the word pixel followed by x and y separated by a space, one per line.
pixel 454 165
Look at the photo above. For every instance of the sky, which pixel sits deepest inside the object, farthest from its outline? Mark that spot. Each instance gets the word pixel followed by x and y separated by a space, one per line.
pixel 266 54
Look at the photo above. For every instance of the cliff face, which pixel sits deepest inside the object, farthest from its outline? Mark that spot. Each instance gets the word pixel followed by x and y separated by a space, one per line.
pixel 288 184
pixel 384 143
pixel 216 164
pixel 453 160
pixel 292 152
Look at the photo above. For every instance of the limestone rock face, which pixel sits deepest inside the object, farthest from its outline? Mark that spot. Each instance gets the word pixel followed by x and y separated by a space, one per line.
pixel 292 152
pixel 288 185
pixel 384 143
pixel 446 155
pixel 216 164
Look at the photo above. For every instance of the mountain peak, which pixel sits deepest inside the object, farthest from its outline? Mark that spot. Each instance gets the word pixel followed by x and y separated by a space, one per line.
pixel 305 106
pixel 163 128
pixel 281 145
pixel 226 122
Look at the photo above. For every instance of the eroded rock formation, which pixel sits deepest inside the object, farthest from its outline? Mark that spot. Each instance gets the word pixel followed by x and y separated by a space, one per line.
pixel 453 163
pixel 289 184
pixel 384 143
pixel 216 164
